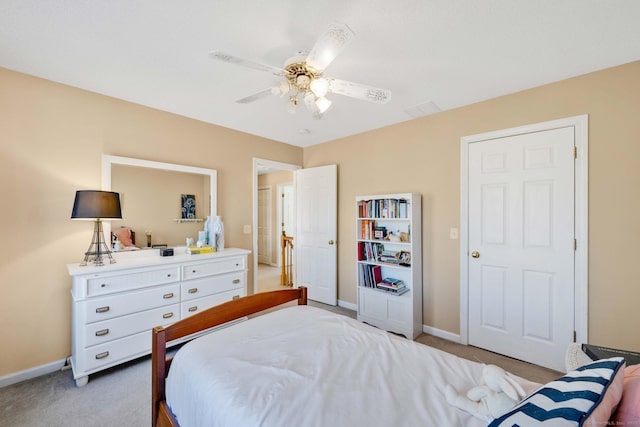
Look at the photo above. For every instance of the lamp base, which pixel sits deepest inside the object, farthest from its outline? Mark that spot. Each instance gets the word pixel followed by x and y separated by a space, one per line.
pixel 98 248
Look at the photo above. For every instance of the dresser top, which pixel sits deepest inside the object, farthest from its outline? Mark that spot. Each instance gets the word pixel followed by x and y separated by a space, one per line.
pixel 151 257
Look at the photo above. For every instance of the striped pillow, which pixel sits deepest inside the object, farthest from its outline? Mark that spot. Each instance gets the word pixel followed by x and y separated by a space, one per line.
pixel 584 397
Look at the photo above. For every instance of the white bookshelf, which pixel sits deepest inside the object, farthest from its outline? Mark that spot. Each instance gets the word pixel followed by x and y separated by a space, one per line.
pixel 380 255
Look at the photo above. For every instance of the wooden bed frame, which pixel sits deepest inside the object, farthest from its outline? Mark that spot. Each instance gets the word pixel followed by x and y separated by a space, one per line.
pixel 161 415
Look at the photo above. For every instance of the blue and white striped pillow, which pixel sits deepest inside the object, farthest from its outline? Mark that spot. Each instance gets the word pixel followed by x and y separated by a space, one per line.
pixel 586 396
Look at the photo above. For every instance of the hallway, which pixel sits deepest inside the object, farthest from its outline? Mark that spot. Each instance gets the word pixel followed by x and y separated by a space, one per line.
pixel 269 278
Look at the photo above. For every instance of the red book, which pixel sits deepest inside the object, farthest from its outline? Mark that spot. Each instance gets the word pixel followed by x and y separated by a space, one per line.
pixel 377 274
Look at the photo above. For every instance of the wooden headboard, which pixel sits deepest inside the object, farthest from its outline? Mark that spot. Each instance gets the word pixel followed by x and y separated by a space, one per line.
pixel 215 316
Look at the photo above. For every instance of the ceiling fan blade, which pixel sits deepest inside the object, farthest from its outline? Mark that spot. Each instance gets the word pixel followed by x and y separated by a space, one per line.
pixel 258 95
pixel 356 90
pixel 225 57
pixel 329 45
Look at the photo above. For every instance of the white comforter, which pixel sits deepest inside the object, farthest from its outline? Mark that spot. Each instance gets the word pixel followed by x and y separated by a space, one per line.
pixel 304 366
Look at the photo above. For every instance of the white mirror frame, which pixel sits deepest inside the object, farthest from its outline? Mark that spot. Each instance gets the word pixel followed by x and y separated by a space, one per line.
pixel 108 161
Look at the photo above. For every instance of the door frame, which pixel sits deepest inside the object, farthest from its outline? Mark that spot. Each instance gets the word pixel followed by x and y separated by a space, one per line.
pixel 259 164
pixel 581 213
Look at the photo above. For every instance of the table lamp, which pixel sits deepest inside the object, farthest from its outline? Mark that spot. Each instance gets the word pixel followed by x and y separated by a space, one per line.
pixel 97 205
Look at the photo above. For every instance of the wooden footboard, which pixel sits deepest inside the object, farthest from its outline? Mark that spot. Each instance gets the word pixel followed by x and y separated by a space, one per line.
pixel 161 415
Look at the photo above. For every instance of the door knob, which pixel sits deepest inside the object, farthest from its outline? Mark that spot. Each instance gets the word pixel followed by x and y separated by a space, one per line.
pixel 331 242
pixel 475 254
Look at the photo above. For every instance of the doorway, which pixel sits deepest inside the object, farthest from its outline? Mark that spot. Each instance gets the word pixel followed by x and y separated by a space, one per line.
pixel 268 217
pixel 523 249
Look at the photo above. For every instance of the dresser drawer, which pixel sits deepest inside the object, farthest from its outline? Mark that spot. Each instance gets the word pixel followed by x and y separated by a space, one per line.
pixel 198 288
pixel 102 284
pixel 196 270
pixel 113 351
pixel 197 305
pixel 109 330
pixel 97 309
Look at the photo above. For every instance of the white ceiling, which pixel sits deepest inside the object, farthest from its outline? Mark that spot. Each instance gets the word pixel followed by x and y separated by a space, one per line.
pixel 447 52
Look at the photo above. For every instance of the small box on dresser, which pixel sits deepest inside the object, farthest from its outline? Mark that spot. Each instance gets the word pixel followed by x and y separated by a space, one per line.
pixel 114 307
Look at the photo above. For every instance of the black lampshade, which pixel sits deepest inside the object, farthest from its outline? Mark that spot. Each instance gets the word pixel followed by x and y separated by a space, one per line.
pixel 94 204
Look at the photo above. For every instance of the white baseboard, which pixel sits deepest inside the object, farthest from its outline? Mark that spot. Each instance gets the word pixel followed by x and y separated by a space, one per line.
pixel 449 336
pixel 28 374
pixel 347 305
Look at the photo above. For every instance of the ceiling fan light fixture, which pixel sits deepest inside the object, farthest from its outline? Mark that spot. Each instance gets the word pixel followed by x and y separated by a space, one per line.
pixel 281 90
pixel 303 75
pixel 292 105
pixel 319 86
pixel 323 104
pixel 310 101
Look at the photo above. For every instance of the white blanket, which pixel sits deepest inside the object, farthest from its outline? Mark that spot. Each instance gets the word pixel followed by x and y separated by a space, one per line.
pixel 304 366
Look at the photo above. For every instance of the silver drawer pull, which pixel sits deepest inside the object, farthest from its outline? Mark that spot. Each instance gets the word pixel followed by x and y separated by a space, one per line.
pixel 102 355
pixel 102 309
pixel 193 290
pixel 167 315
pixel 194 308
pixel 236 281
pixel 167 296
pixel 236 296
pixel 102 332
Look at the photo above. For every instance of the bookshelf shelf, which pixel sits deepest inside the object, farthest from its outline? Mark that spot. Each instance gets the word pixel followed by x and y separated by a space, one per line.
pixel 385 264
pixel 389 250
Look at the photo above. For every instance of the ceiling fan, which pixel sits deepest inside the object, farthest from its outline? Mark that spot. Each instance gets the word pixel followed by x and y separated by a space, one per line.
pixel 303 78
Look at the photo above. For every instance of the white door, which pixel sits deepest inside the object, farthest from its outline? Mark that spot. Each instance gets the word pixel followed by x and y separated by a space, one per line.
pixel 521 245
pixel 264 226
pixel 315 243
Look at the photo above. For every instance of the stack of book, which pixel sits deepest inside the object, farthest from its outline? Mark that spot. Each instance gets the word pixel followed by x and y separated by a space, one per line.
pixel 390 256
pixel 395 286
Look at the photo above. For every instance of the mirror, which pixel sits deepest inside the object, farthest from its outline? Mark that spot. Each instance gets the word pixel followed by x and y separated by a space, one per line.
pixel 151 198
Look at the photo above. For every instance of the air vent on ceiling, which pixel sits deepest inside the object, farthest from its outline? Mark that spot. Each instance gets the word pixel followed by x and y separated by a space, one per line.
pixel 423 109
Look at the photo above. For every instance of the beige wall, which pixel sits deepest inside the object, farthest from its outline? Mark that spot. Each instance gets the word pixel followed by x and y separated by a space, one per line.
pixel 273 180
pixel 53 137
pixel 423 156
pixel 52 140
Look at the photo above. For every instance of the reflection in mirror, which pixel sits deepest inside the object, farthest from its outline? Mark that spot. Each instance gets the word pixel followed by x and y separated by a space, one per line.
pixel 151 197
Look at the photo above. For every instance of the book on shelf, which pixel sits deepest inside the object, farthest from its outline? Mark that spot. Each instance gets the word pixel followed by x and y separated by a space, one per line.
pixel 395 291
pixel 402 208
pixel 369 251
pixel 392 283
pixel 369 275
pixel 383 208
pixel 194 250
pixel 367 231
pixel 395 286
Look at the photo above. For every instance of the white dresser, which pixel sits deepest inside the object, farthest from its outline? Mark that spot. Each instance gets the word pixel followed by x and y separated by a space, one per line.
pixel 114 307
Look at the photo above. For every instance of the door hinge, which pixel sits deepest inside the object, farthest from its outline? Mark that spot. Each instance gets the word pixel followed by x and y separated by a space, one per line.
pixel 575 152
pixel 575 245
pixel 575 336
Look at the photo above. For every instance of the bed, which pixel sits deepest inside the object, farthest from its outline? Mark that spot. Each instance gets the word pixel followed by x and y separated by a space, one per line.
pixel 302 366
